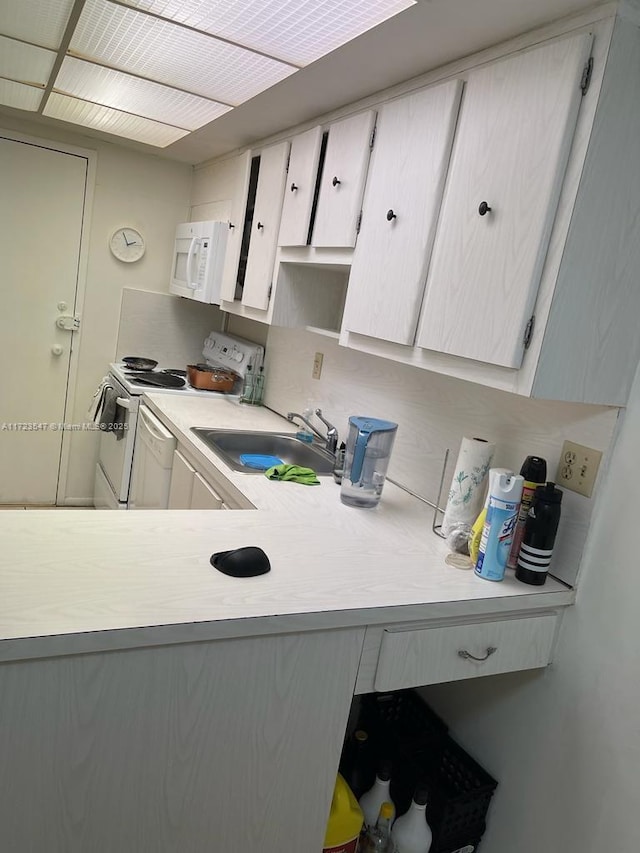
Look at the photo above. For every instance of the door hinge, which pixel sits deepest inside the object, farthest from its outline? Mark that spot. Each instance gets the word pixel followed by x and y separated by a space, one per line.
pixel 373 136
pixel 586 76
pixel 359 222
pixel 528 332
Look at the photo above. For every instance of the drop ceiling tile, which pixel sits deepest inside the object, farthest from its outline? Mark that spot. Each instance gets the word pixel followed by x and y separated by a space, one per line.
pixel 25 63
pixel 298 31
pixel 111 121
pixel 133 95
pixel 159 50
pixel 20 96
pixel 41 22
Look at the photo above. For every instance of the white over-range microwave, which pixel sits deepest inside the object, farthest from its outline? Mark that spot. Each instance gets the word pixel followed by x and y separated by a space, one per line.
pixel 198 259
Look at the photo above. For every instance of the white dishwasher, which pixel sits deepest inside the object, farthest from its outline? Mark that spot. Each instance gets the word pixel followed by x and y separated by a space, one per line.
pixel 152 462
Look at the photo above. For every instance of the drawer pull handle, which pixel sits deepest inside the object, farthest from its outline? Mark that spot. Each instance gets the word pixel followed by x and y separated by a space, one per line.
pixel 465 655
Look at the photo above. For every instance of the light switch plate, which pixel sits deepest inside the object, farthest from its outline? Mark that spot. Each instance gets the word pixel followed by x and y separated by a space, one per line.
pixel 578 468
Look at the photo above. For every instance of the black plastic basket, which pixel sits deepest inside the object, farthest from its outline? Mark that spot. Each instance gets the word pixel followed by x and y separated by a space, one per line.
pixel 416 740
pixel 401 720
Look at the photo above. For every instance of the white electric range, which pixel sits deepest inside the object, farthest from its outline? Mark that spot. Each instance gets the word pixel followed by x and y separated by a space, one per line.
pixel 117 446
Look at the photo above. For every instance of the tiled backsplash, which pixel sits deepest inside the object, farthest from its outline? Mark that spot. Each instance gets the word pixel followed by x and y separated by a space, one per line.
pixel 434 412
pixel 168 328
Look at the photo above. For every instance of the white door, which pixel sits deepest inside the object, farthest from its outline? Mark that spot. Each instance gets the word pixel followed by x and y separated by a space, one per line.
pixel 516 126
pixel 41 209
pixel 152 461
pixel 342 182
pixel 266 224
pixel 300 188
pixel 400 211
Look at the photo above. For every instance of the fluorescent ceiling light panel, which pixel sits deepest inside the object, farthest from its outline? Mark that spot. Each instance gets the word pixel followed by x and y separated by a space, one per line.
pixel 112 121
pixel 19 96
pixel 25 63
pixel 162 51
pixel 298 31
pixel 133 95
pixel 40 22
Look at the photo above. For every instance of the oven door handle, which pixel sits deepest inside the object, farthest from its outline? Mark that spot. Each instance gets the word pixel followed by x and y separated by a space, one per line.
pixel 123 402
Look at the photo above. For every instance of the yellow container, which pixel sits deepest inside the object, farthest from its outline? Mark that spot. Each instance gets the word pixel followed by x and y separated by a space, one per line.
pixel 345 821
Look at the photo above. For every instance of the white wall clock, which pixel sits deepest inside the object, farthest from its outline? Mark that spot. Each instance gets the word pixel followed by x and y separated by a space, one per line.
pixel 127 245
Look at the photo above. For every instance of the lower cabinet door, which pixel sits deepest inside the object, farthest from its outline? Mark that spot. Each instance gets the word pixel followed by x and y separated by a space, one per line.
pixel 203 496
pixel 418 656
pixel 182 475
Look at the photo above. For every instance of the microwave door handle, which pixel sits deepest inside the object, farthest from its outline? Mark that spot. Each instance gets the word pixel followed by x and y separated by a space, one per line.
pixel 190 256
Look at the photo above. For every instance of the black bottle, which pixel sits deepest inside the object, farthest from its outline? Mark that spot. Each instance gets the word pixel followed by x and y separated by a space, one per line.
pixel 358 763
pixel 539 535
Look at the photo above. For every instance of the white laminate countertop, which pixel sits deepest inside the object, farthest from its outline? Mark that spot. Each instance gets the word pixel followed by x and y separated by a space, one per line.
pixel 78 581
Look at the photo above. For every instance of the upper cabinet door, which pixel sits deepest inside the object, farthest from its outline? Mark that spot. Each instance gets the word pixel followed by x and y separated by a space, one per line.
pixel 234 240
pixel 342 182
pixel 515 131
pixel 404 190
pixel 265 226
pixel 300 188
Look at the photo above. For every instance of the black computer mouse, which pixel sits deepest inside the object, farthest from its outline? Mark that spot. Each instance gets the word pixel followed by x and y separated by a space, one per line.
pixel 245 562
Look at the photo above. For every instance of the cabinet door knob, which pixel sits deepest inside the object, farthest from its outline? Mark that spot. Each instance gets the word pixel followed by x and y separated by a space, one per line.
pixel 259 226
pixel 231 225
pixel 484 208
pixel 390 215
pixel 335 181
pixel 294 187
pixel 465 655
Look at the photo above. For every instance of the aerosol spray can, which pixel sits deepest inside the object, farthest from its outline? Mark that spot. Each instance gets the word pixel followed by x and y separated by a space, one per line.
pixel 534 471
pixel 497 534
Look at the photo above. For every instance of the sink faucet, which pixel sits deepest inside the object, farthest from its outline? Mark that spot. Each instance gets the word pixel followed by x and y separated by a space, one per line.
pixel 332 433
pixel 331 438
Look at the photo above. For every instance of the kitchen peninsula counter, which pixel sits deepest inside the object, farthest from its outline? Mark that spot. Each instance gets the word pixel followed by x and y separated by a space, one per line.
pixel 140 686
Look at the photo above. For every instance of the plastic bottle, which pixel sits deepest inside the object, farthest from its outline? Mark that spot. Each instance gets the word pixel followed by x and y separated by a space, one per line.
pixel 411 832
pixel 247 386
pixel 378 838
pixel 534 471
pixel 304 433
pixel 539 535
pixel 345 821
pixel 378 794
pixel 497 534
pixel 258 390
pixel 478 524
pixel 358 765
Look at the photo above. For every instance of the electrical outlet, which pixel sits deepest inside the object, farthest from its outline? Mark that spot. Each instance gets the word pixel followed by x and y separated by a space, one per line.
pixel 317 366
pixel 578 467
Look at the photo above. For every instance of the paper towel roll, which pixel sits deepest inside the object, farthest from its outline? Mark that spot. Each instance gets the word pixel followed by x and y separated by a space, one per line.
pixel 467 491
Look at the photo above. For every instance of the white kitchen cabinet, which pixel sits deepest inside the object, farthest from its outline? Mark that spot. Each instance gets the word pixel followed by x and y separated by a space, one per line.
pixel 264 229
pixel 236 228
pixel 300 188
pixel 189 489
pixel 512 144
pixel 342 183
pixel 406 179
pixel 204 496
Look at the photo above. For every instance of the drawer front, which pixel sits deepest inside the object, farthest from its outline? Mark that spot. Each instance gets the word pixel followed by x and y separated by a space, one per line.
pixel 419 656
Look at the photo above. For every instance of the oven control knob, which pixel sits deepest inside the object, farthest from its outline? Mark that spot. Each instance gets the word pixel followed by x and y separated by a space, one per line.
pixel 237 356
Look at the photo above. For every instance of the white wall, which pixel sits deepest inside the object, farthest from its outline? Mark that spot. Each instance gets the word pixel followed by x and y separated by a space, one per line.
pixel 139 190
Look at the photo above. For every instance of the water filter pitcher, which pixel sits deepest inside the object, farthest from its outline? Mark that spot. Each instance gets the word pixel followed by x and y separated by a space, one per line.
pixel 367 455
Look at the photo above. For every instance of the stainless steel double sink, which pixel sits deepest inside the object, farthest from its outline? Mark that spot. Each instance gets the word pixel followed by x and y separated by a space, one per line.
pixel 230 445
